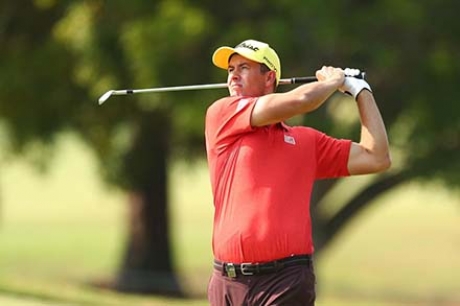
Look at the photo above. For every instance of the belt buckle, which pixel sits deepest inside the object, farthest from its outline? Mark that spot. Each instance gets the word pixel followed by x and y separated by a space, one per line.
pixel 230 270
pixel 244 267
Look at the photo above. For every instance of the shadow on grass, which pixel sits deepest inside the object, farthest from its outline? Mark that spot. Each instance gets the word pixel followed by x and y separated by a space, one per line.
pixel 91 293
pixel 41 297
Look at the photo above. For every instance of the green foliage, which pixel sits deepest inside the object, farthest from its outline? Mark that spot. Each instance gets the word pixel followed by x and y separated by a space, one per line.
pixel 58 57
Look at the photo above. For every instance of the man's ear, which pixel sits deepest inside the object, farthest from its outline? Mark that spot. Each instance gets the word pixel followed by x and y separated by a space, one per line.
pixel 270 78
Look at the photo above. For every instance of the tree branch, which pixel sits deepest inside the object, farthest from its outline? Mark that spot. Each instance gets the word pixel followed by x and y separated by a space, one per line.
pixel 355 205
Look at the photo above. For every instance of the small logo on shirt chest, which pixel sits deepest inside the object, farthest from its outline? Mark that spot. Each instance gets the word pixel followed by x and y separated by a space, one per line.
pixel 289 139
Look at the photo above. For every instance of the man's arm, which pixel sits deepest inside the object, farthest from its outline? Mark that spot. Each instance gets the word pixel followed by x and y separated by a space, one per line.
pixel 273 108
pixel 371 154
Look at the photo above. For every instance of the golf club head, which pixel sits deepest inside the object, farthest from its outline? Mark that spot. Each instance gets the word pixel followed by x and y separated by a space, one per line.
pixel 105 96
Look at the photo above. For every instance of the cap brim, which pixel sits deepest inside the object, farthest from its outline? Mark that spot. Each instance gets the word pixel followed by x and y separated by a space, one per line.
pixel 221 56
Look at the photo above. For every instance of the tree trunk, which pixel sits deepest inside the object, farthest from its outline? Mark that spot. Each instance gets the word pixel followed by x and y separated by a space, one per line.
pixel 147 263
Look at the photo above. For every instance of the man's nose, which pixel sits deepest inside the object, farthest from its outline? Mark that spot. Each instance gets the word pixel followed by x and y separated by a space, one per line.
pixel 235 75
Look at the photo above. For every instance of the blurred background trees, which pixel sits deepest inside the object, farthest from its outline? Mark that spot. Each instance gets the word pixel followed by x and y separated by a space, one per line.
pixel 58 57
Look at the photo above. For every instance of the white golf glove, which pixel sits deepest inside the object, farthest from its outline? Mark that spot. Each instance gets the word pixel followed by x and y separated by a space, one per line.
pixel 353 86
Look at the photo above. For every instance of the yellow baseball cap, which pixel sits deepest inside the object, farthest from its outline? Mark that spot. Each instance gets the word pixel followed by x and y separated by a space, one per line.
pixel 251 49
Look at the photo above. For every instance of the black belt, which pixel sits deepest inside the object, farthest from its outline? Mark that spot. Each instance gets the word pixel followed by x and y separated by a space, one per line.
pixel 232 270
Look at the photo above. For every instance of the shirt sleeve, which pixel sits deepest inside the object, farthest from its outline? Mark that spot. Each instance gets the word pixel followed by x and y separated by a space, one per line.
pixel 332 156
pixel 227 119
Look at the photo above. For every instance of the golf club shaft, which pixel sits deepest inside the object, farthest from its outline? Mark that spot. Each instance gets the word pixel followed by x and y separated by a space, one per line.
pixel 294 80
pixel 297 80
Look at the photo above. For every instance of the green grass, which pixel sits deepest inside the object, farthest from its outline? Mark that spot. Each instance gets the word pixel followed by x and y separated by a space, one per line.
pixel 63 231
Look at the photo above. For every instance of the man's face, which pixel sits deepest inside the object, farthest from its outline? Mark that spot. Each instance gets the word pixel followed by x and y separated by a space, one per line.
pixel 245 77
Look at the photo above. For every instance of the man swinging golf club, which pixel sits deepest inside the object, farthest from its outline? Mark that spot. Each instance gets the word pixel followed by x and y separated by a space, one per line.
pixel 262 173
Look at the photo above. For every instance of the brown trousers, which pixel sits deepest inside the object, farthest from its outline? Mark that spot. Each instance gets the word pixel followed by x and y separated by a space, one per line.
pixel 291 286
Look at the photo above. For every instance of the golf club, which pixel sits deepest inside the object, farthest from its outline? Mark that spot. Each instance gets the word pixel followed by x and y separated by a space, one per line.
pixel 294 80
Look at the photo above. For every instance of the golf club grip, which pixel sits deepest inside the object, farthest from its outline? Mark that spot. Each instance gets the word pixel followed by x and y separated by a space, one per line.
pixel 309 79
pixel 301 80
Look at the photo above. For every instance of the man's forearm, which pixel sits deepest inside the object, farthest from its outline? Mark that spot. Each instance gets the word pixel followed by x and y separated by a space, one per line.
pixel 282 106
pixel 373 133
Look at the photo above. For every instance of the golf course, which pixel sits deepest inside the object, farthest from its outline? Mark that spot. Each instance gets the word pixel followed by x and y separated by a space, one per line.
pixel 62 234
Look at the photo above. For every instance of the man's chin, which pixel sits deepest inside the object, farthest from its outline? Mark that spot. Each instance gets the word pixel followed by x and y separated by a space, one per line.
pixel 235 93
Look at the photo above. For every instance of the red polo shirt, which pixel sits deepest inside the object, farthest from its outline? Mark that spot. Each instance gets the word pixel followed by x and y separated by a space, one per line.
pixel 262 179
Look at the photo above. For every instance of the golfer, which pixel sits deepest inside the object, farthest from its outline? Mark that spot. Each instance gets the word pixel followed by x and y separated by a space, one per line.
pixel 262 173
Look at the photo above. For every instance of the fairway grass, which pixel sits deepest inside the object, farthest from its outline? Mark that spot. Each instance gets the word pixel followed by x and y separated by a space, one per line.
pixel 65 230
